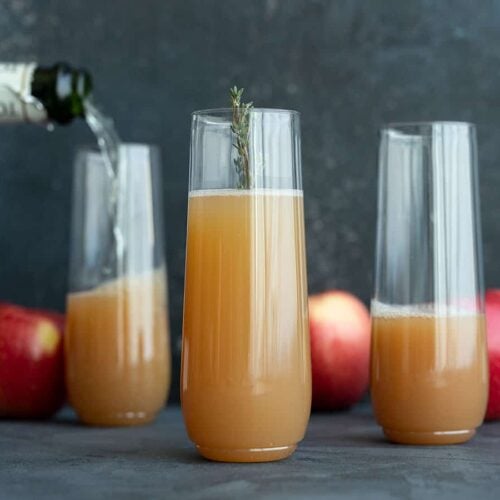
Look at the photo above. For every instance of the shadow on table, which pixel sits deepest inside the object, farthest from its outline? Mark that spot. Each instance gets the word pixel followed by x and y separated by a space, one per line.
pixel 54 421
pixel 348 439
pixel 176 453
pixel 360 439
pixel 345 428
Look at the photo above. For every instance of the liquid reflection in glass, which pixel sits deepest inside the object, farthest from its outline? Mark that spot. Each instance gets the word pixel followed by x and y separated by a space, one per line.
pixel 429 373
pixel 246 382
pixel 117 342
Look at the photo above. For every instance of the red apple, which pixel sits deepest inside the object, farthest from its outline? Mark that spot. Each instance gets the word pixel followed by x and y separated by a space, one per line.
pixel 493 327
pixel 340 349
pixel 31 362
pixel 58 318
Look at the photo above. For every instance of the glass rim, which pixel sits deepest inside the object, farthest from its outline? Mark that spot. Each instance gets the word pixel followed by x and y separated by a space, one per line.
pixel 224 111
pixel 401 126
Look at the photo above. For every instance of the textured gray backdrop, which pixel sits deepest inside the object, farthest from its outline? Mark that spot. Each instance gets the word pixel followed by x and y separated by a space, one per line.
pixel 347 65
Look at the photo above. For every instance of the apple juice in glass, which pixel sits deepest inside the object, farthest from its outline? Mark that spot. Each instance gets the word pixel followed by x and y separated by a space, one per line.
pixel 245 381
pixel 117 353
pixel 429 369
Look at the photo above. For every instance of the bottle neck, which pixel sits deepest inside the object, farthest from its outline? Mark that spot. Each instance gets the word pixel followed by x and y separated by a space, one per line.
pixel 62 91
pixel 30 93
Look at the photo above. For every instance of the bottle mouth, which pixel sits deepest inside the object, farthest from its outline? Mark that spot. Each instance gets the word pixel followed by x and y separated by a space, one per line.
pixel 84 83
pixel 62 90
pixel 80 83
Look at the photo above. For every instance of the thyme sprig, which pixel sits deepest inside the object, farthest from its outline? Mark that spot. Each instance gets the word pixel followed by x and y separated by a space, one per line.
pixel 240 129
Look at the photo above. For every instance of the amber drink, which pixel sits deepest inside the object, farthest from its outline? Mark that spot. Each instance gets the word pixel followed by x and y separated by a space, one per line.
pixel 117 356
pixel 245 381
pixel 117 349
pixel 429 370
pixel 429 374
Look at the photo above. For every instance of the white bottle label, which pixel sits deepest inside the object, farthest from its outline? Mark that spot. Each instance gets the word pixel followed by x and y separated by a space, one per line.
pixel 16 102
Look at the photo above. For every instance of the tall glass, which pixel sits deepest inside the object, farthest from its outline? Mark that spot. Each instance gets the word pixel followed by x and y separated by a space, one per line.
pixel 429 373
pixel 117 342
pixel 246 381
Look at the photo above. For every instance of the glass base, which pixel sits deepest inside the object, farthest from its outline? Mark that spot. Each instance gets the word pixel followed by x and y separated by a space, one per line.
pixel 429 438
pixel 124 419
pixel 246 455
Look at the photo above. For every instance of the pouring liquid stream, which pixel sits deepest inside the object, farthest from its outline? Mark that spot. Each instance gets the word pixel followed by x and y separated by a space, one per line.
pixel 108 142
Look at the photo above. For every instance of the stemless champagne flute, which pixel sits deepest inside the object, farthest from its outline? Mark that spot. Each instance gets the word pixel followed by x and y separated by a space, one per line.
pixel 117 342
pixel 429 373
pixel 245 381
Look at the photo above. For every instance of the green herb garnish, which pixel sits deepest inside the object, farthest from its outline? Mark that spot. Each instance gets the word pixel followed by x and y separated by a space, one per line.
pixel 240 129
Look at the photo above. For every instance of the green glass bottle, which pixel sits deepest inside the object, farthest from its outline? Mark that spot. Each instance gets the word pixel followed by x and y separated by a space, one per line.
pixel 33 93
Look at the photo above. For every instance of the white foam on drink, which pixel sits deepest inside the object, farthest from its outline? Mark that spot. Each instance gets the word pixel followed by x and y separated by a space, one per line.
pixel 246 192
pixel 155 277
pixel 426 310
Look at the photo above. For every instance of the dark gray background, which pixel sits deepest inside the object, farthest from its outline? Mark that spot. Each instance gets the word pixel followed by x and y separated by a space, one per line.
pixel 347 65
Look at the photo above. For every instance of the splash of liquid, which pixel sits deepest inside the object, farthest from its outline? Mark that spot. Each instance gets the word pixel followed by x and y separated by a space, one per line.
pixel 108 142
pixel 106 135
pixel 109 146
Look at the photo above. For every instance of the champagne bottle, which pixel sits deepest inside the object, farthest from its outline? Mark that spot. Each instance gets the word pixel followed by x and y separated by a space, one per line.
pixel 33 93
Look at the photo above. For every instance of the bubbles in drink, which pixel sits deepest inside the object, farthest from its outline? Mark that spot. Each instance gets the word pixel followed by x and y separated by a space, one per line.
pixel 424 310
pixel 245 192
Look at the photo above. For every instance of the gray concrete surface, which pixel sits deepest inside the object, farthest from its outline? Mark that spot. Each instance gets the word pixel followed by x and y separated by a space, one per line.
pixel 343 456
